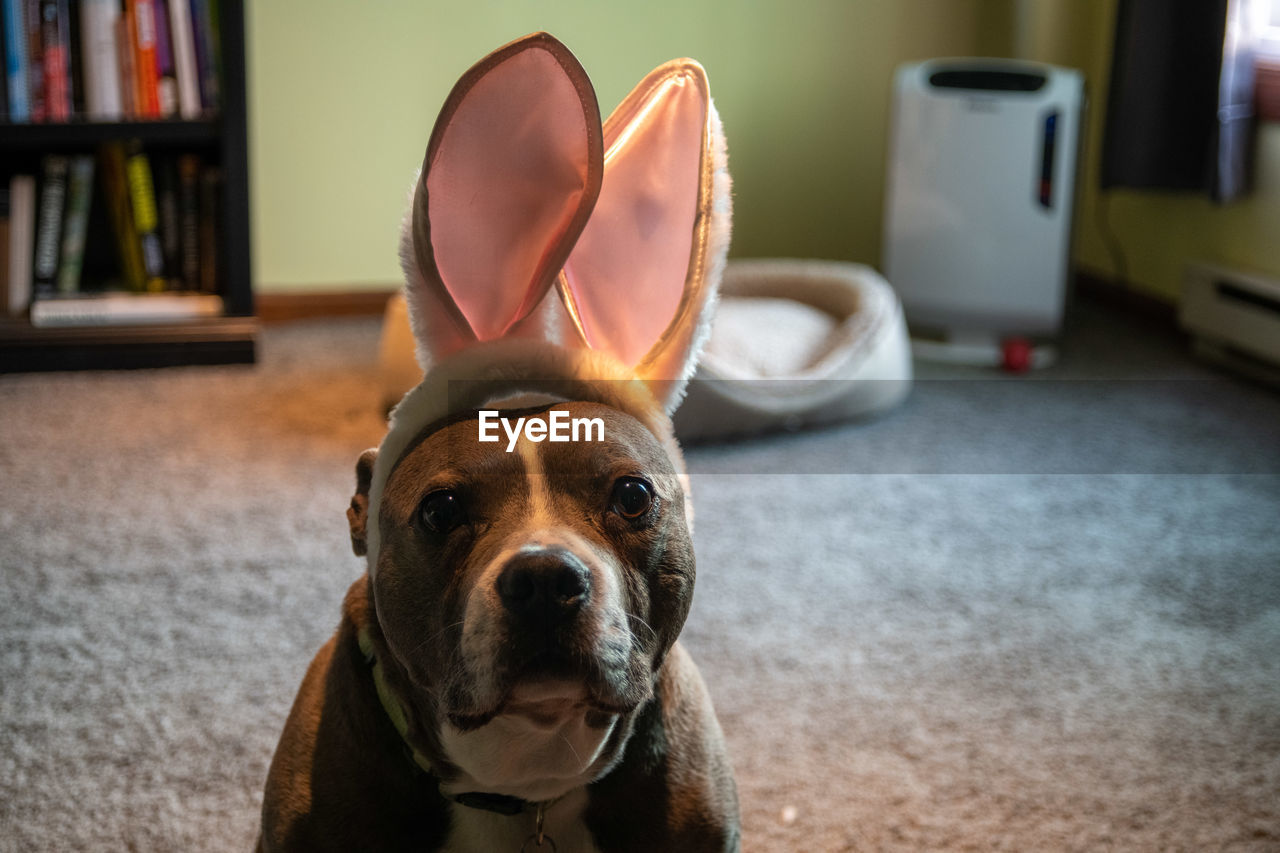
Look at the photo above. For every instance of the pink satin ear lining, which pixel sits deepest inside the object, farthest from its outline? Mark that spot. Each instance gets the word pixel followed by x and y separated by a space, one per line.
pixel 505 184
pixel 626 275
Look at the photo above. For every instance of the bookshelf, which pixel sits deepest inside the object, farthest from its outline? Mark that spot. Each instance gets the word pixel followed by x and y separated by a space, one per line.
pixel 220 140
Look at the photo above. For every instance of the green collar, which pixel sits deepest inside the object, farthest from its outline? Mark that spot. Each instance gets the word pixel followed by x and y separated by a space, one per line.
pixel 390 703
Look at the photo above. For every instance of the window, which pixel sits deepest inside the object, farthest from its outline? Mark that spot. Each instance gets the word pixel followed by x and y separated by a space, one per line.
pixel 1269 31
pixel 1266 17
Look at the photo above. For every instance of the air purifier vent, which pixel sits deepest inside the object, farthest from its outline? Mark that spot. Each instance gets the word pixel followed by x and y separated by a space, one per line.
pixel 987 80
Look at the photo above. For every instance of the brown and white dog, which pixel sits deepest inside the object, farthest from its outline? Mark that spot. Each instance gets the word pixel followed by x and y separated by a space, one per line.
pixel 506 676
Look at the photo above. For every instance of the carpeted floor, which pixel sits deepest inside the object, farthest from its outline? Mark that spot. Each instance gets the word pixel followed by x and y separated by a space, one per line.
pixel 1014 614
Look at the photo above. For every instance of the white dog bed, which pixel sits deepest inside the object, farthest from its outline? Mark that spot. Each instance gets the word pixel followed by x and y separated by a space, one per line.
pixel 793 343
pixel 797 343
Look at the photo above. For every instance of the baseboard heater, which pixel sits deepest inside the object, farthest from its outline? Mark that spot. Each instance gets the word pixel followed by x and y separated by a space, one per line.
pixel 1234 318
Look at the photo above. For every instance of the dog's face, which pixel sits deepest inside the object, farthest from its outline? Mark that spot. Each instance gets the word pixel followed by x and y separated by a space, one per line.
pixel 542 584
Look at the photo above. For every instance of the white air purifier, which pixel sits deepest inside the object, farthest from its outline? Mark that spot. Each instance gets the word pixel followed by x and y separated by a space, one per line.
pixel 981 184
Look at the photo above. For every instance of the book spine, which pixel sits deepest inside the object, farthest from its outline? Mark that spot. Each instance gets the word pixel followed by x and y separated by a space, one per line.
pixel 4 244
pixel 16 66
pixel 166 175
pixel 4 55
pixel 22 211
pixel 184 58
pixel 144 61
pixel 125 63
pixel 125 309
pixel 189 220
pixel 75 229
pixel 53 197
pixel 116 197
pixel 22 216
pixel 210 208
pixel 35 59
pixel 215 47
pixel 142 198
pixel 166 73
pixel 55 35
pixel 99 56
pixel 75 61
pixel 206 58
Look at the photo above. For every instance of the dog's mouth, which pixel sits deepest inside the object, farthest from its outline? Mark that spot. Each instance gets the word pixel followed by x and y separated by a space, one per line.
pixel 549 704
pixel 547 692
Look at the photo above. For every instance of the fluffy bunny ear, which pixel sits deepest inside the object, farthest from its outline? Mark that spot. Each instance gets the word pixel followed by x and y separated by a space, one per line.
pixel 640 284
pixel 509 179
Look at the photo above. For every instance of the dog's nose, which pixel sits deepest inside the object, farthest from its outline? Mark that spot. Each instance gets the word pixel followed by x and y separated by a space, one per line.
pixel 553 583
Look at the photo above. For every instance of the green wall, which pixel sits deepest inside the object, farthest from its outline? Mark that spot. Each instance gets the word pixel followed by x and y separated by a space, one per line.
pixel 343 96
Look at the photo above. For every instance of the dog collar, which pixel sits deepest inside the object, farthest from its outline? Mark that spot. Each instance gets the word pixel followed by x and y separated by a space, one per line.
pixel 390 704
pixel 502 804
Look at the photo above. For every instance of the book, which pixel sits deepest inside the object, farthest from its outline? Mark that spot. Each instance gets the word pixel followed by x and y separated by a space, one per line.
pixel 35 58
pixel 215 43
pixel 55 43
pixel 166 74
pixel 4 244
pixel 124 68
pixel 76 223
pixel 115 197
pixel 184 58
pixel 142 24
pixel 189 168
pixel 99 56
pixel 15 62
pixel 125 309
pixel 75 63
pixel 206 43
pixel 210 209
pixel 53 197
pixel 146 220
pixel 22 223
pixel 166 179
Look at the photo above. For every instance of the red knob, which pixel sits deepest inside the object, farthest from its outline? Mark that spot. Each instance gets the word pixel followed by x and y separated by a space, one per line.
pixel 1016 355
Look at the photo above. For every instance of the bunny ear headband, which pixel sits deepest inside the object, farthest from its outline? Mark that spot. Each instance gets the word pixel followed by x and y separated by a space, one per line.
pixel 523 191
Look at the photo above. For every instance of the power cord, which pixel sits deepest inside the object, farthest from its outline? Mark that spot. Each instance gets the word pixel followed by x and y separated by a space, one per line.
pixel 1119 263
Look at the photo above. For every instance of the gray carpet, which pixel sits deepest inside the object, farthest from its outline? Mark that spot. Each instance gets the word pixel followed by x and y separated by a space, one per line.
pixel 1015 614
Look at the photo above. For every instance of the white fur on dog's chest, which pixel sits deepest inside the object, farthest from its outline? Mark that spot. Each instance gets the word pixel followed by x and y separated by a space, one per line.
pixel 479 831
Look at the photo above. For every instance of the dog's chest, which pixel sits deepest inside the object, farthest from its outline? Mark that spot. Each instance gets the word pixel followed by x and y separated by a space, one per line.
pixel 479 831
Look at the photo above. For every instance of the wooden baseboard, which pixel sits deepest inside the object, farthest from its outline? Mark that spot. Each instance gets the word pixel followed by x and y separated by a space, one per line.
pixel 310 305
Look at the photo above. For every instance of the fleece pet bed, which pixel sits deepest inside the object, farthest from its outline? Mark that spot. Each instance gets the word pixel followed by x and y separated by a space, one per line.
pixel 793 343
pixel 797 343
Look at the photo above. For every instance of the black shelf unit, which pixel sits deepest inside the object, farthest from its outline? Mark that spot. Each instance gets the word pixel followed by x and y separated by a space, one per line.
pixel 224 139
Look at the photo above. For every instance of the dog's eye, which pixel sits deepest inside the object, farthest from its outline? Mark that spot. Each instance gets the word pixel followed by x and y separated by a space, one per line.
pixel 632 497
pixel 442 511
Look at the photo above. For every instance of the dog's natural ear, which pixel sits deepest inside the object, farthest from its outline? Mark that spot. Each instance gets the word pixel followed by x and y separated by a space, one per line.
pixel 358 512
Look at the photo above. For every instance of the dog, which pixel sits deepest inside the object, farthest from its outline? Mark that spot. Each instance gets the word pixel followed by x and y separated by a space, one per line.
pixel 527 610
pixel 507 674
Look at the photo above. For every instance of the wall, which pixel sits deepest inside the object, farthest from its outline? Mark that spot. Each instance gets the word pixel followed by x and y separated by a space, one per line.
pixel 343 95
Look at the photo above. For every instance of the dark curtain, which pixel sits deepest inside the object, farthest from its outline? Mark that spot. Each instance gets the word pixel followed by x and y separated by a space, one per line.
pixel 1179 112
